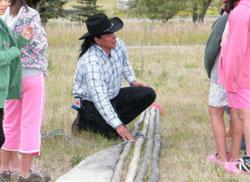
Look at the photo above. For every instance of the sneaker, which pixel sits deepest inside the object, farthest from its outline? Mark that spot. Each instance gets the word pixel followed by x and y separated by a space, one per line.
pixel 34 177
pixel 241 167
pixel 5 176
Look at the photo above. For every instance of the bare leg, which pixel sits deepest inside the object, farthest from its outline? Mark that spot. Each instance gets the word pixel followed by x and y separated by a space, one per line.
pixel 14 164
pixel 229 131
pixel 237 133
pixel 5 158
pixel 244 115
pixel 26 164
pixel 219 130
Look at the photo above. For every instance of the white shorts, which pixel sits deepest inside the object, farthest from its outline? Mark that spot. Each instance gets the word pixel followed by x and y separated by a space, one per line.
pixel 217 96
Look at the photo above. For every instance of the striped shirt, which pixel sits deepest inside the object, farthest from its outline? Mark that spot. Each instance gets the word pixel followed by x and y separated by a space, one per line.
pixel 99 77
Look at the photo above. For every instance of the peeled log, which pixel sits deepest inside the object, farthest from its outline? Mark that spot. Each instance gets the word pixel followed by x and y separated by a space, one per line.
pixel 120 165
pixel 137 151
pixel 155 169
pixel 148 151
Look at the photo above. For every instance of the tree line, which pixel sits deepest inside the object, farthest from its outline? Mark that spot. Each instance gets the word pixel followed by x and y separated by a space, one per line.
pixel 166 9
pixel 153 9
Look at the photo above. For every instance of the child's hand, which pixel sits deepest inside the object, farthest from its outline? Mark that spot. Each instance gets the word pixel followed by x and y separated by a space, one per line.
pixel 27 32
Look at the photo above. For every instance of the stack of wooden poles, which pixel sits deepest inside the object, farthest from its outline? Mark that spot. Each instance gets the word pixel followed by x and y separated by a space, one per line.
pixel 142 167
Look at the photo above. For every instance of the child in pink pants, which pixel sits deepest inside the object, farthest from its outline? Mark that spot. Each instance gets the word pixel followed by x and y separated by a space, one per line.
pixel 23 118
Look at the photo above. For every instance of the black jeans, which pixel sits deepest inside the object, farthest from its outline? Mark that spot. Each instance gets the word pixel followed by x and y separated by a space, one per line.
pixel 130 102
pixel 2 138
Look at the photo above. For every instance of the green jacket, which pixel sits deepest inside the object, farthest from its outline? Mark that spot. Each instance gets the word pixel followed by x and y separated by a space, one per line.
pixel 10 64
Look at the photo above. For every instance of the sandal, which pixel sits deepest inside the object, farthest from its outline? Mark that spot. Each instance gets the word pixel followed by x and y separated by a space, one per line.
pixel 213 158
pixel 231 159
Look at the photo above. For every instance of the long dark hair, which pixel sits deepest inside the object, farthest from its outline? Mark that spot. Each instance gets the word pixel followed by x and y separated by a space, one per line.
pixel 230 4
pixel 33 3
pixel 16 5
pixel 87 43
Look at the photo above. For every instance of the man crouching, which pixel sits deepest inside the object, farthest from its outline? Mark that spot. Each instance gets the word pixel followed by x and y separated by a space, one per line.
pixel 106 108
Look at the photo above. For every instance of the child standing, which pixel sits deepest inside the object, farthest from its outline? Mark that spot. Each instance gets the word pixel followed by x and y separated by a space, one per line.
pixel 23 118
pixel 218 100
pixel 5 62
pixel 10 64
pixel 234 73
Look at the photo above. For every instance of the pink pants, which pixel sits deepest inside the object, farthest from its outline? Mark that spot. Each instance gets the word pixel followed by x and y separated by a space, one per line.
pixel 239 99
pixel 23 118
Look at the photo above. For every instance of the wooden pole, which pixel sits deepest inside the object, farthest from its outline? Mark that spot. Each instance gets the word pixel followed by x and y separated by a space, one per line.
pixel 137 151
pixel 148 151
pixel 155 169
pixel 120 164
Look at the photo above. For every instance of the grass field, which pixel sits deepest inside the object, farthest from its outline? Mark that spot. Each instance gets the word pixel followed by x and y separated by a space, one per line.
pixel 136 33
pixel 175 72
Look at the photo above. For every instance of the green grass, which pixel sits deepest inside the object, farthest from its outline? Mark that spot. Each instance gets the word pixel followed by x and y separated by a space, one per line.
pixel 178 76
pixel 176 73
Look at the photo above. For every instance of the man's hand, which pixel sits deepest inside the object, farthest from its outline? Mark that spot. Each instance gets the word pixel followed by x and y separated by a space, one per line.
pixel 124 133
pixel 136 84
pixel 27 32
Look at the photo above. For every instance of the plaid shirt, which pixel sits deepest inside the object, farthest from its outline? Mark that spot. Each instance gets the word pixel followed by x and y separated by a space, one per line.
pixel 99 76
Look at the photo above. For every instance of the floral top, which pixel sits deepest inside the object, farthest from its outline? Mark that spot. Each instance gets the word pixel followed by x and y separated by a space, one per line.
pixel 32 55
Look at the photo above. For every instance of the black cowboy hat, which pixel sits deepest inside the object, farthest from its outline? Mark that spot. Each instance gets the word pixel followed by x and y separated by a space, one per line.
pixel 99 24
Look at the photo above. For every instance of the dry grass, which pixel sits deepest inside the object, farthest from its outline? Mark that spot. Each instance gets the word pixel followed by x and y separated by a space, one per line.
pixel 135 33
pixel 178 76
